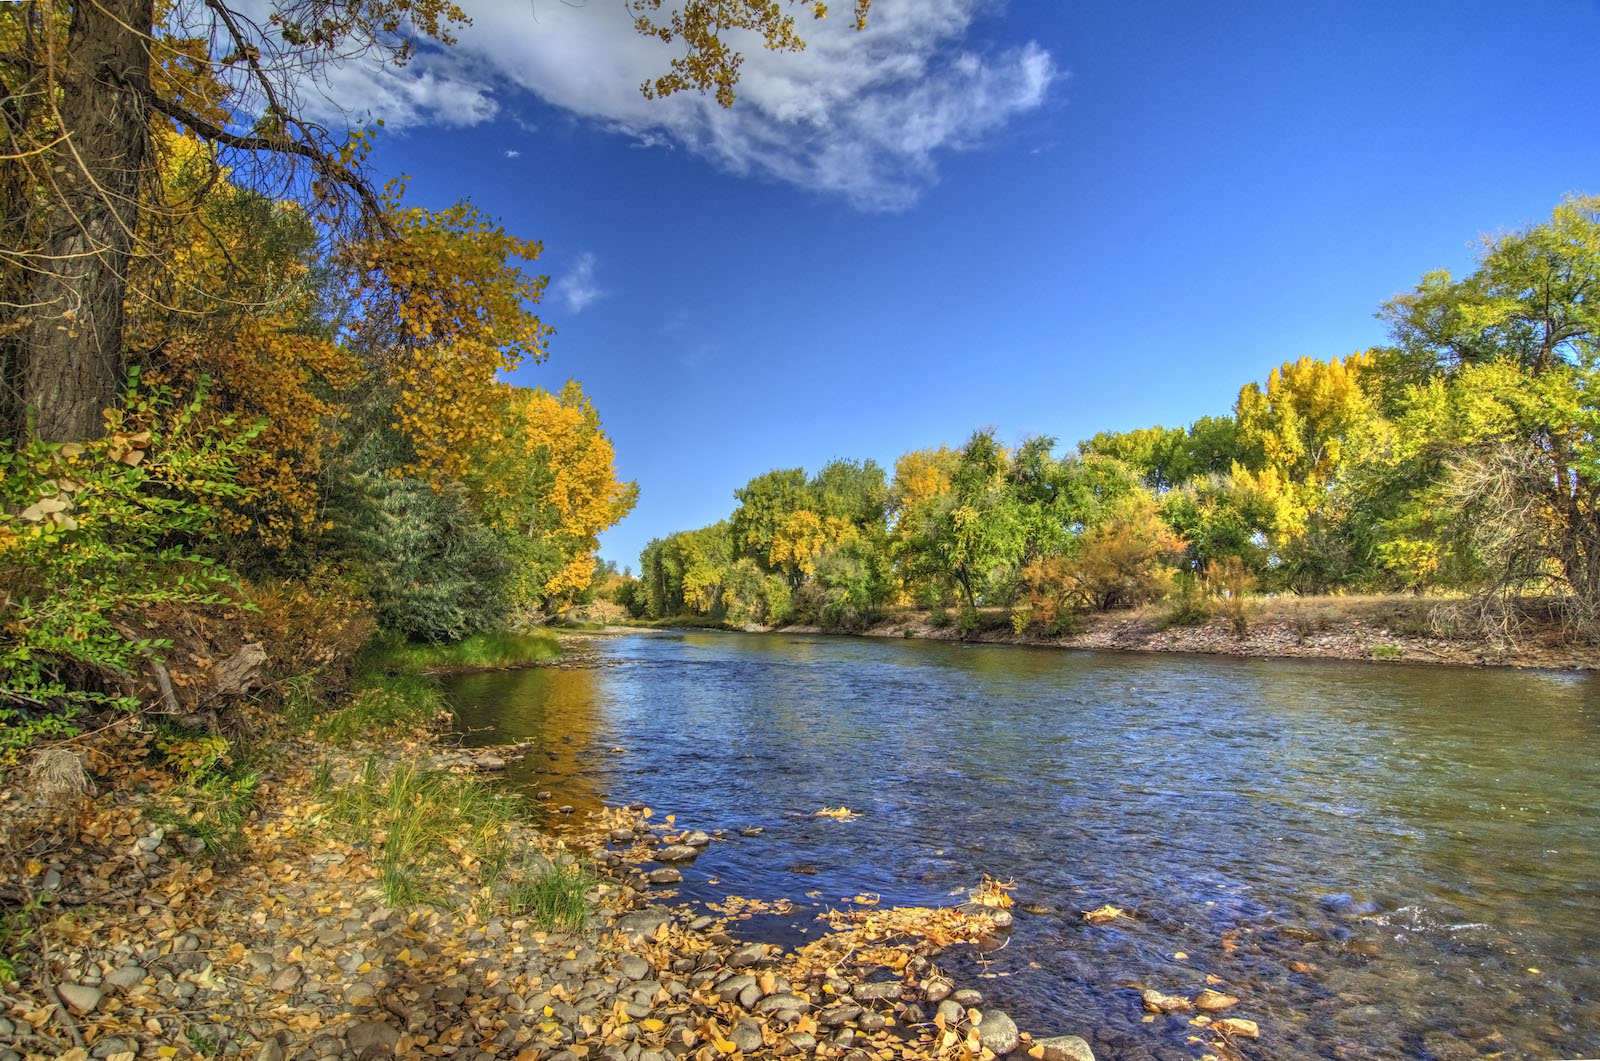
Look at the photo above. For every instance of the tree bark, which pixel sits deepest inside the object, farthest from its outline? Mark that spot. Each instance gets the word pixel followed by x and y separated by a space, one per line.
pixel 72 360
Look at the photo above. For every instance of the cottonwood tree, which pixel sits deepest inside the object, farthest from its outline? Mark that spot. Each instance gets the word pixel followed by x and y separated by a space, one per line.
pixel 88 83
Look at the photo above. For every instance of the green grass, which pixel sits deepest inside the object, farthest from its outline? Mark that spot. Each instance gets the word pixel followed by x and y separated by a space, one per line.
pixel 429 828
pixel 554 896
pixel 391 654
pixel 385 703
pixel 1385 651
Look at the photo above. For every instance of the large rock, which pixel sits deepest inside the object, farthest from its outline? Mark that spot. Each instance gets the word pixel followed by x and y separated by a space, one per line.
pixel 877 992
pixel 998 1032
pixel 288 979
pixel 1062 1048
pixel 696 839
pixel 952 1012
pixel 665 875
pixel 633 967
pixel 82 998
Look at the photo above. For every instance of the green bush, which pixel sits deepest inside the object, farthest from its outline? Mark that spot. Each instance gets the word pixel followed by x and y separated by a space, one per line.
pixel 96 534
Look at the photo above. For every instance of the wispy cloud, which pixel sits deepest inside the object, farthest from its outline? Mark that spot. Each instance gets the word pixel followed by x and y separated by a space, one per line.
pixel 578 289
pixel 512 152
pixel 864 116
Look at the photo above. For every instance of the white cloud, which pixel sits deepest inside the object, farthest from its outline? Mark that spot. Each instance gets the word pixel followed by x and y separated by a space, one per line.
pixel 512 152
pixel 578 288
pixel 860 115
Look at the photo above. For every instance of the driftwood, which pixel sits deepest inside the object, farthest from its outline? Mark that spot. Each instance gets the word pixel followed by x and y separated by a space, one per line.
pixel 240 672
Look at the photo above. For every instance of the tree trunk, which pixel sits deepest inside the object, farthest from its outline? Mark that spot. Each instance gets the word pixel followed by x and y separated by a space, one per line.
pixel 72 360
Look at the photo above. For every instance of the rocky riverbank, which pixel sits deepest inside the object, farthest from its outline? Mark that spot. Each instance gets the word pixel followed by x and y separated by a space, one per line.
pixel 1387 630
pixel 285 950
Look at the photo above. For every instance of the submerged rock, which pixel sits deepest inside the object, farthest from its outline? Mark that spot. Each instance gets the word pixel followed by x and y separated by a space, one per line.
pixel 1062 1048
pixel 1244 1029
pixel 1156 1002
pixel 1209 1001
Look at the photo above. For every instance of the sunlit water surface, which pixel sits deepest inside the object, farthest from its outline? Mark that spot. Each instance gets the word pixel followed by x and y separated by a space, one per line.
pixel 1220 799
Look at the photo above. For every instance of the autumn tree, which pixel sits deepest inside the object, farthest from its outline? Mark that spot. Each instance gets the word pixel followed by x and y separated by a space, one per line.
pixel 550 489
pixel 88 83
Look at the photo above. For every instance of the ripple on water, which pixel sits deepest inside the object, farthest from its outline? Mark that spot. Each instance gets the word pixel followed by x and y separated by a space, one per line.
pixel 1221 800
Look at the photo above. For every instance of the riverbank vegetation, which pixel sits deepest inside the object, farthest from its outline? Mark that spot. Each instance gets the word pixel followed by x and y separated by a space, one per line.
pixel 1457 462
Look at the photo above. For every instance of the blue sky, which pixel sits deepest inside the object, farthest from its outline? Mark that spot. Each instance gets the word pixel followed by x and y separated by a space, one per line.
pixel 1047 218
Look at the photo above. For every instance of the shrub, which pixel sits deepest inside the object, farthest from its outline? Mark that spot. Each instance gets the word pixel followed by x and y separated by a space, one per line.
pixel 94 535
pixel 1232 582
pixel 312 626
pixel 1191 602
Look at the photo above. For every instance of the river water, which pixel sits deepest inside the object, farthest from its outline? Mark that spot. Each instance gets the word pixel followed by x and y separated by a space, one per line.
pixel 1380 860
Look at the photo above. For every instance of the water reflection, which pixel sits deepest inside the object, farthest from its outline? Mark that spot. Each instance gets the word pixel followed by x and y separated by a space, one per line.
pixel 1224 800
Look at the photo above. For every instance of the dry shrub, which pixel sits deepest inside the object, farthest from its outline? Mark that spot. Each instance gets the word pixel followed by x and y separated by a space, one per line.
pixel 1123 562
pixel 1232 582
pixel 312 626
pixel 603 612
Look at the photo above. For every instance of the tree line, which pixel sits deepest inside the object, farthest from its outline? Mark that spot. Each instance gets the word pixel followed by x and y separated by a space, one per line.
pixel 1459 459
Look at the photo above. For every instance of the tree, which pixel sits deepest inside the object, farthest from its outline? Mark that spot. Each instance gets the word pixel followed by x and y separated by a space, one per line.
pixel 86 84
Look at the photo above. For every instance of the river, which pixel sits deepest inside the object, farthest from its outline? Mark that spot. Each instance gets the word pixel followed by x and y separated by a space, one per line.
pixel 1380 860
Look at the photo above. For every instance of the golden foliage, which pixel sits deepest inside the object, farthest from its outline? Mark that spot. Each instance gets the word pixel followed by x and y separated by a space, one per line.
pixel 699 24
pixel 448 307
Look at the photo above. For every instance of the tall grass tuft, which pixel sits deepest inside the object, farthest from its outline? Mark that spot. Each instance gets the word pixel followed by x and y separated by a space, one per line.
pixel 554 895
pixel 429 827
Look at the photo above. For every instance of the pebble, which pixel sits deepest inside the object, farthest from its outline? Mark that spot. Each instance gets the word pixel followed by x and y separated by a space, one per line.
pixel 839 1014
pixel 81 998
pixel 371 1033
pixel 998 1032
pixel 782 1002
pixel 877 992
pixel 361 993
pixel 287 980
pixel 633 967
pixel 1064 1048
pixel 111 1044
pixel 700 924
pixel 968 997
pixel 936 990
pixel 676 853
pixel 952 1012
pixel 730 988
pixel 125 977
pixel 752 954
pixel 746 1035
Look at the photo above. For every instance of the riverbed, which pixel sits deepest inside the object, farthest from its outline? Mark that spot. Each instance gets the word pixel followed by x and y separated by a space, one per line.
pixel 1379 860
